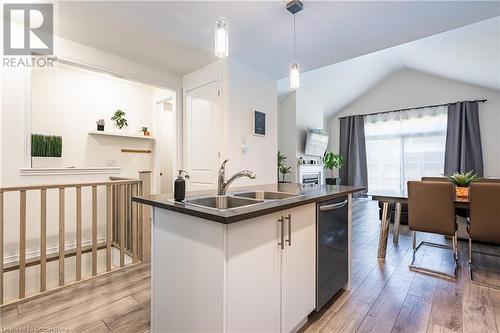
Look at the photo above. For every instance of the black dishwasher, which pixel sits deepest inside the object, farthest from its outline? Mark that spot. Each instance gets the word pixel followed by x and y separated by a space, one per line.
pixel 331 249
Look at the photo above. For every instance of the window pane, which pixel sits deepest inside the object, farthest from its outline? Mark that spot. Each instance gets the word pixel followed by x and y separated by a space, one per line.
pixel 403 146
pixel 384 165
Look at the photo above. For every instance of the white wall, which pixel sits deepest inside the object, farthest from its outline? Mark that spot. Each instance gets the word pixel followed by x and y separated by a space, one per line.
pixel 15 103
pixel 67 101
pixel 411 88
pixel 249 90
pixel 287 132
pixel 310 114
pixel 243 90
pixel 298 111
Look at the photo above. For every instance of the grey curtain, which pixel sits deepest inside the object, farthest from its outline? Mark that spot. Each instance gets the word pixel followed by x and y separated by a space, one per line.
pixel 463 150
pixel 353 150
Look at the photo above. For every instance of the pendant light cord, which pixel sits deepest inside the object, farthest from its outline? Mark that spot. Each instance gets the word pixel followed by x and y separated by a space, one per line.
pixel 294 38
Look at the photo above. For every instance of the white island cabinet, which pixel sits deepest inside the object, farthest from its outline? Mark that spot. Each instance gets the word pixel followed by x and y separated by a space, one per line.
pixel 255 275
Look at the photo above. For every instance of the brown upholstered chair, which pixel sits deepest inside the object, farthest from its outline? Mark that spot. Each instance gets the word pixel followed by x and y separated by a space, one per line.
pixel 484 220
pixel 462 212
pixel 489 180
pixel 431 208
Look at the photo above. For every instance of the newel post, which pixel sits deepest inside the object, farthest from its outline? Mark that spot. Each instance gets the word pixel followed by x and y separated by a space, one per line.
pixel 145 176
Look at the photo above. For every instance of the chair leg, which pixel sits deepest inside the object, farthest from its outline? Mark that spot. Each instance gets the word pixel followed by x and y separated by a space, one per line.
pixel 420 269
pixel 471 269
pixel 455 246
pixel 470 251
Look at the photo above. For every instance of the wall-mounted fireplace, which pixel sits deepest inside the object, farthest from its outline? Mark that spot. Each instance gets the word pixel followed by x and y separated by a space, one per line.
pixel 310 174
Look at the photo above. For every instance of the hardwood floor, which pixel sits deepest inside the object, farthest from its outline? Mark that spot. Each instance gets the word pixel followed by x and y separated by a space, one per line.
pixel 385 297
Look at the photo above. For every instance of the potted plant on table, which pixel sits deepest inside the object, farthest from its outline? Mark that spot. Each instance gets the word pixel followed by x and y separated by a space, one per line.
pixel 333 161
pixel 119 119
pixel 283 169
pixel 462 182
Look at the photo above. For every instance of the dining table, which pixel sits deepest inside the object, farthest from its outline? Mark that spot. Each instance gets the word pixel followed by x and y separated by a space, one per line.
pixel 388 199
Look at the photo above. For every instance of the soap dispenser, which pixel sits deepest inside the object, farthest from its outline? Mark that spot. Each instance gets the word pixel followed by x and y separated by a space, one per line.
pixel 180 186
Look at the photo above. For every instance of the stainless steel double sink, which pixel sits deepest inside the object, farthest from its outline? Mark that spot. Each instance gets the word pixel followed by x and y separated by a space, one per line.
pixel 238 200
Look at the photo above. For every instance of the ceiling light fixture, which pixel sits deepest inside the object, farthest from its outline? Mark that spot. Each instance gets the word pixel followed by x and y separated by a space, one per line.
pixel 222 37
pixel 294 7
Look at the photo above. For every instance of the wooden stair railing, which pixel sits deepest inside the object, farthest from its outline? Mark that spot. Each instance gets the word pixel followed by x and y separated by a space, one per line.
pixel 130 218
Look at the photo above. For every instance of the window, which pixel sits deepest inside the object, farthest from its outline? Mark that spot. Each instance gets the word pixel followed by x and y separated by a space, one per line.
pixel 403 146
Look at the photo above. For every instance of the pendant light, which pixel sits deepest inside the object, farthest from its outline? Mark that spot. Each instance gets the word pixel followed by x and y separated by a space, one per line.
pixel 221 36
pixel 294 7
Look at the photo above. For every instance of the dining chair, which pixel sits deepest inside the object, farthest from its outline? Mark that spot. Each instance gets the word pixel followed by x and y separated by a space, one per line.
pixel 431 209
pixel 489 180
pixel 484 220
pixel 462 212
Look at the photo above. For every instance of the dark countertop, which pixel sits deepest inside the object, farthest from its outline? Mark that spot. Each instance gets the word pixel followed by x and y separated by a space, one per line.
pixel 311 194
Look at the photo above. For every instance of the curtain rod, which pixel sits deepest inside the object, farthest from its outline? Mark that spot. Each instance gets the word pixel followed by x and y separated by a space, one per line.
pixel 414 108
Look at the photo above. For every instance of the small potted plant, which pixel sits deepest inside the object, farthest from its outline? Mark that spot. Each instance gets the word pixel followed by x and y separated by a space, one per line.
pixel 46 151
pixel 100 124
pixel 333 161
pixel 145 131
pixel 119 119
pixel 462 182
pixel 283 169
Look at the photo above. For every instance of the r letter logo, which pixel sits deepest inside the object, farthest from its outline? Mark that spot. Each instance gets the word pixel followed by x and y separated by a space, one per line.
pixel 28 29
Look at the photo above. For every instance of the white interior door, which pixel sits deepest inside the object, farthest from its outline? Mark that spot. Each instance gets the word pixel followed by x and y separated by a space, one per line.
pixel 202 133
pixel 164 143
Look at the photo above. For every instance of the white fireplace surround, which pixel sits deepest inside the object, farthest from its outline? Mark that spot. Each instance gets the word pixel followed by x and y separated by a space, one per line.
pixel 310 169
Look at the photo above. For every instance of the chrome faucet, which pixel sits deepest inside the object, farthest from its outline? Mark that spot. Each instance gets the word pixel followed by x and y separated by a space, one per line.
pixel 223 184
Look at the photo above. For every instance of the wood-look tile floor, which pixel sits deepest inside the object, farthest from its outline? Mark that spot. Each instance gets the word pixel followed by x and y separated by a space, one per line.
pixel 385 297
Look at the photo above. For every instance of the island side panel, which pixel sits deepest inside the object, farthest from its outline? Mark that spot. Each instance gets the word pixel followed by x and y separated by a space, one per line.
pixel 187 273
pixel 349 242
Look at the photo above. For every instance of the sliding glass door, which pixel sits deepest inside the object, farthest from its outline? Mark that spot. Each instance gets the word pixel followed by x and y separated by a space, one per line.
pixel 403 146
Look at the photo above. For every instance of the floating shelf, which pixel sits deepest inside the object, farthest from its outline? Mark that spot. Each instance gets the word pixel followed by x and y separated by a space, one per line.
pixel 70 171
pixel 123 135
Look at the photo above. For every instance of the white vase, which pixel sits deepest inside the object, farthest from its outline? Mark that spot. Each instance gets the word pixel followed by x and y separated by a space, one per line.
pixel 46 162
pixel 121 130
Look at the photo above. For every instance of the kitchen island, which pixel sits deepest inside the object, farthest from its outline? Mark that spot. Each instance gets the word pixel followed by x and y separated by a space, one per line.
pixel 244 262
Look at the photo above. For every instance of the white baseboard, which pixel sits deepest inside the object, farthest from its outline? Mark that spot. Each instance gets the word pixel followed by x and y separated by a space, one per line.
pixel 51 250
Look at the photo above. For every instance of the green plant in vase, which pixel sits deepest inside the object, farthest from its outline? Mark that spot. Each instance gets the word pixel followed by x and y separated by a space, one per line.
pixel 46 151
pixel 283 169
pixel 46 145
pixel 333 161
pixel 119 119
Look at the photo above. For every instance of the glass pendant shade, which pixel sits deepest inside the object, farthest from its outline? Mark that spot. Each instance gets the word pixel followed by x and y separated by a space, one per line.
pixel 221 37
pixel 294 76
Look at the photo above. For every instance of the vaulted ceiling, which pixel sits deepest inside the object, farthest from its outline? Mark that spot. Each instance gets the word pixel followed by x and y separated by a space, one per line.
pixel 469 54
pixel 178 36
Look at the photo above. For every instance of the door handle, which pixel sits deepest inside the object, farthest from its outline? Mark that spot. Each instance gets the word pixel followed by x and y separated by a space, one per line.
pixel 282 233
pixel 289 240
pixel 326 208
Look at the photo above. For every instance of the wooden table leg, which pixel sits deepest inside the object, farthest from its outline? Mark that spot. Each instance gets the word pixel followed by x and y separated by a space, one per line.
pixel 397 222
pixel 384 231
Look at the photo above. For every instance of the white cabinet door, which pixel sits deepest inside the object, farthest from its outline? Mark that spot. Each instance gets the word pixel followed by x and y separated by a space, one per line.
pixel 253 275
pixel 202 124
pixel 299 266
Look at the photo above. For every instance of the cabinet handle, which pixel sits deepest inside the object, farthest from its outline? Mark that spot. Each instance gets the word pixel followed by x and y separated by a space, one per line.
pixel 282 233
pixel 326 208
pixel 289 240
